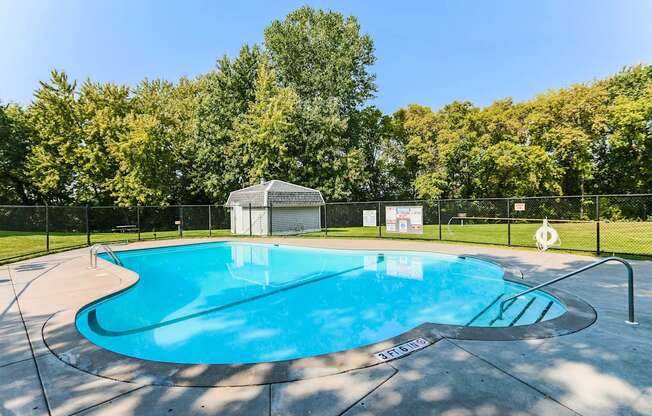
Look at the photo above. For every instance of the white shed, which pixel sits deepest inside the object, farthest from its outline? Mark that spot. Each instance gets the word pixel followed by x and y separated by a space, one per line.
pixel 275 207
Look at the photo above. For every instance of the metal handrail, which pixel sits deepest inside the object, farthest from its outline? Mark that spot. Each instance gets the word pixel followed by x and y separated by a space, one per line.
pixel 95 249
pixel 630 284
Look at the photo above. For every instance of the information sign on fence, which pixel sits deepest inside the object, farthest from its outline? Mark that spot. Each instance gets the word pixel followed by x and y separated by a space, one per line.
pixel 369 218
pixel 404 219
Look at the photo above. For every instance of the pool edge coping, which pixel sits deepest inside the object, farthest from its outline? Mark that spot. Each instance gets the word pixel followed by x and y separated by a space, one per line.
pixel 60 333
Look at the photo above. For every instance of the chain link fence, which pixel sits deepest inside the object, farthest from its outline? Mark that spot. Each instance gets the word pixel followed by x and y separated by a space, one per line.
pixel 32 230
pixel 604 224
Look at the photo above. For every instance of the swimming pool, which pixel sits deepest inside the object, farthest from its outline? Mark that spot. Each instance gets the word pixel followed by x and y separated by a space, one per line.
pixel 232 302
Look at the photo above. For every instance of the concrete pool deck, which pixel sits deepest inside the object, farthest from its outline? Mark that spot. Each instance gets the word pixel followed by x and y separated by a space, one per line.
pixel 605 369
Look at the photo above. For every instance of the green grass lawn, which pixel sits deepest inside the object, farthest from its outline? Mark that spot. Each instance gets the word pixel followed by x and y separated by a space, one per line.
pixel 615 237
pixel 23 244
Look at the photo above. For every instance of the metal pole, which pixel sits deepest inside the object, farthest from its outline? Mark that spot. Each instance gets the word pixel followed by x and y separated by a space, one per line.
pixel 597 224
pixel 439 216
pixel 181 221
pixel 326 219
pixel 138 220
pixel 47 228
pixel 210 222
pixel 630 293
pixel 509 223
pixel 88 230
pixel 269 232
pixel 378 219
pixel 250 230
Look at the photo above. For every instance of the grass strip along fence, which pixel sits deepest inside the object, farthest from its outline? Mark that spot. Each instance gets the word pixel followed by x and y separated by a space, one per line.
pixel 603 224
pixel 26 231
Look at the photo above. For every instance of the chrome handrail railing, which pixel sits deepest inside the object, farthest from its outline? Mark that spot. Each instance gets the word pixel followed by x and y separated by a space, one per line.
pixel 95 249
pixel 630 286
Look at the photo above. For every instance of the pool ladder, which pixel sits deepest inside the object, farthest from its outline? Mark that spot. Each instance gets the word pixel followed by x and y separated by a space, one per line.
pixel 95 250
pixel 630 286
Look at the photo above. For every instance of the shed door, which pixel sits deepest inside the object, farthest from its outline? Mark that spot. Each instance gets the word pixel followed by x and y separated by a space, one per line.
pixel 238 220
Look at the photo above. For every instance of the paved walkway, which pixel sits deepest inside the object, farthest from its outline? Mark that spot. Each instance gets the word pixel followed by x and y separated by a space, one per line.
pixel 605 369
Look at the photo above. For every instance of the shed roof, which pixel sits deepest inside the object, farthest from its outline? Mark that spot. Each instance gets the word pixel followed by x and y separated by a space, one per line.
pixel 278 193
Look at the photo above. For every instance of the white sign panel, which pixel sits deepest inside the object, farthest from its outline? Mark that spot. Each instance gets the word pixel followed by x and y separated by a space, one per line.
pixel 519 206
pixel 402 349
pixel 404 219
pixel 369 218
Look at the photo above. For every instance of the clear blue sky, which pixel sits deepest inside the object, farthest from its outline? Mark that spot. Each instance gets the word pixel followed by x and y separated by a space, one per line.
pixel 429 52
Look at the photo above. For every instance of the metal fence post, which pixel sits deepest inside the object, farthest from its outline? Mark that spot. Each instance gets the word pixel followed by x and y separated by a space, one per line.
pixel 380 233
pixel 325 219
pixel 509 223
pixel 439 216
pixel 47 228
pixel 597 224
pixel 181 221
pixel 88 229
pixel 269 231
pixel 210 222
pixel 138 220
pixel 250 223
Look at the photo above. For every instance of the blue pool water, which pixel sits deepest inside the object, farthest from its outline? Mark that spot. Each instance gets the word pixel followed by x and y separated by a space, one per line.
pixel 232 302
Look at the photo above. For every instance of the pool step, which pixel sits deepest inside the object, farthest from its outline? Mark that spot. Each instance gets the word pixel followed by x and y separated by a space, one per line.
pixel 482 312
pixel 544 312
pixel 522 312
pixel 519 311
pixel 507 314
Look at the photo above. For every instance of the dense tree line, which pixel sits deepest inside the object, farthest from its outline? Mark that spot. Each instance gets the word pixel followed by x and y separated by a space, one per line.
pixel 296 108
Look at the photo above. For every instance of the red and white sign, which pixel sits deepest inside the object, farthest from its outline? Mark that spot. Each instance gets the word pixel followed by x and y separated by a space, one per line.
pixel 404 219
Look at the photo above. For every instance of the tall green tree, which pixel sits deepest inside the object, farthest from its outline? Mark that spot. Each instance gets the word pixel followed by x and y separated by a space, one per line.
pixel 72 131
pixel 329 162
pixel 102 111
pixel 146 152
pixel 183 107
pixel 415 147
pixel 323 56
pixel 371 132
pixel 629 158
pixel 15 145
pixel 510 169
pixel 280 136
pixel 631 82
pixel 224 95
pixel 55 120
pixel 622 159
pixel 569 123
pixel 457 155
pixel 266 138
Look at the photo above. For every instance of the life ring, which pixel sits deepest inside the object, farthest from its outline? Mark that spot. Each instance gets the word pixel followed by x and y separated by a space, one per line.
pixel 546 236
